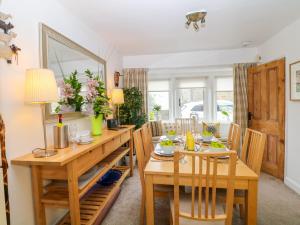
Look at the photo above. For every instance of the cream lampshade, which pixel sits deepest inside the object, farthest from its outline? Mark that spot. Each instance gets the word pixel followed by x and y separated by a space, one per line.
pixel 117 96
pixel 41 88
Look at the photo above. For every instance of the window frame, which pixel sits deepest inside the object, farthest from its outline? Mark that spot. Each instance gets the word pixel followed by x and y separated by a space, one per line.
pixel 215 110
pixel 170 97
pixel 210 93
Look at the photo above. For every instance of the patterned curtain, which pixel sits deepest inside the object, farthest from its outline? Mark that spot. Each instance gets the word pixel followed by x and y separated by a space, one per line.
pixel 137 77
pixel 240 78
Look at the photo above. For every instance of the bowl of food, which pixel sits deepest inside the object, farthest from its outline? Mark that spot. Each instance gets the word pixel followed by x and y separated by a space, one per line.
pixel 217 147
pixel 171 135
pixel 165 147
pixel 207 136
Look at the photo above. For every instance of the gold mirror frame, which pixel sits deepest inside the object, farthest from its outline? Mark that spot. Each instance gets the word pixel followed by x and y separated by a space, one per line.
pixel 45 33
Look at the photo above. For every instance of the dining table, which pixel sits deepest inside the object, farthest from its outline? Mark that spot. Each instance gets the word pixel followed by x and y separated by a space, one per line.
pixel 161 172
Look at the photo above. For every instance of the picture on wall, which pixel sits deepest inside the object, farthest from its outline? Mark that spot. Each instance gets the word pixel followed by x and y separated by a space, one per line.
pixel 295 81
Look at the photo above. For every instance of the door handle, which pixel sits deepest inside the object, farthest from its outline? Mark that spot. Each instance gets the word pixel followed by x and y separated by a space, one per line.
pixel 250 114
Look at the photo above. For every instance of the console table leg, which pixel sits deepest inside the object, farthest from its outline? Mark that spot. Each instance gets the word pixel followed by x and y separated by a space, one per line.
pixel 131 163
pixel 37 188
pixel 73 193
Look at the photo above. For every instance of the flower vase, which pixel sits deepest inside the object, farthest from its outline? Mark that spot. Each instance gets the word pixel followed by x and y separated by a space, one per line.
pixel 97 125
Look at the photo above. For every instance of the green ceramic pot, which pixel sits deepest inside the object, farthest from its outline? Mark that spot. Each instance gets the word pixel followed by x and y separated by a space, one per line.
pixel 97 125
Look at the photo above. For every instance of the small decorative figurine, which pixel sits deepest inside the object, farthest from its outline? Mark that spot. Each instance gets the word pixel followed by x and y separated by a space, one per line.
pixel 6 26
pixel 7 51
pixel 117 78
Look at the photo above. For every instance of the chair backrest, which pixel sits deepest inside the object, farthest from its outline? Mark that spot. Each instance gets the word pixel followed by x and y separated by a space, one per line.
pixel 253 149
pixel 204 172
pixel 234 136
pixel 183 125
pixel 147 140
pixel 140 153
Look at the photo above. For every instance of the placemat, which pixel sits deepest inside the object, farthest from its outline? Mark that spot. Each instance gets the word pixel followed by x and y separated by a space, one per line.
pixel 164 158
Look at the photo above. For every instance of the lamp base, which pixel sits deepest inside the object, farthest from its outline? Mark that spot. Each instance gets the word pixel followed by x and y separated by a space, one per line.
pixel 44 153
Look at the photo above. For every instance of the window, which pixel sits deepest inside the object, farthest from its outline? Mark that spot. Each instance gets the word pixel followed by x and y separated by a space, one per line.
pixel 207 98
pixel 159 94
pixel 224 99
pixel 190 96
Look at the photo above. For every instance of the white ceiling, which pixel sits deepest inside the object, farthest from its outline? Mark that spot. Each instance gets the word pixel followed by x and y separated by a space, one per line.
pixel 157 26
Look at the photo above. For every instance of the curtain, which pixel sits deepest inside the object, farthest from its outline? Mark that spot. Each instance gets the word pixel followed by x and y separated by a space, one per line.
pixel 137 77
pixel 240 77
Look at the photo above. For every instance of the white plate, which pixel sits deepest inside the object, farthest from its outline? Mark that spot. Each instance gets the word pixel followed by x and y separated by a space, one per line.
pixel 218 150
pixel 89 141
pixel 223 139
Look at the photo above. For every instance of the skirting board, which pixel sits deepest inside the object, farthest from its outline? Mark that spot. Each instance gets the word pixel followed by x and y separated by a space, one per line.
pixel 292 184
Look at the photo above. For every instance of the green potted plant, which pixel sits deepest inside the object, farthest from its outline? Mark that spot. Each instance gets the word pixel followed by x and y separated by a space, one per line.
pixel 156 110
pixel 71 99
pixel 226 114
pixel 131 111
pixel 96 102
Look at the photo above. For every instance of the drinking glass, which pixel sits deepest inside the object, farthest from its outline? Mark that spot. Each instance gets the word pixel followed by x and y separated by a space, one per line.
pixel 73 135
pixel 182 148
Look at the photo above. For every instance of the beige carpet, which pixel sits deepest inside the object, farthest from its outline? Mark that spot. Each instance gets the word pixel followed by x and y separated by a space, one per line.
pixel 278 205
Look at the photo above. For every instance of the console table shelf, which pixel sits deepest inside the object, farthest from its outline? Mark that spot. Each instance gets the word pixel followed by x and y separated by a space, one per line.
pixel 96 200
pixel 86 199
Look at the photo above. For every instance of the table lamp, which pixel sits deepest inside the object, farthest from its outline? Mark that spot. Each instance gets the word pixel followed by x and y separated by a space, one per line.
pixel 41 88
pixel 117 98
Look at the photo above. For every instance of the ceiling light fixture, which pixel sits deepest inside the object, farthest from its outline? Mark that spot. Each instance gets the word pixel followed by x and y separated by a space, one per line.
pixel 246 43
pixel 195 17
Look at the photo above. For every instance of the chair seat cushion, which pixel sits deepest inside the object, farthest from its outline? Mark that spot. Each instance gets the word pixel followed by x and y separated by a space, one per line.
pixel 185 207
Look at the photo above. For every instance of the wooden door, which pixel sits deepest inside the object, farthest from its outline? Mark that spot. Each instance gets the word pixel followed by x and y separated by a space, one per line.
pixel 266 105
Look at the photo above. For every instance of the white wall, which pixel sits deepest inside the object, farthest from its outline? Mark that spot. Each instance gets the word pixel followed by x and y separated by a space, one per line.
pixel 23 122
pixel 192 59
pixel 286 44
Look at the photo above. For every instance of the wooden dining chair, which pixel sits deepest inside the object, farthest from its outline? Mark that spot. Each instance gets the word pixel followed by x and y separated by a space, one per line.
pixel 203 207
pixel 252 155
pixel 183 125
pixel 159 190
pixel 147 140
pixel 234 136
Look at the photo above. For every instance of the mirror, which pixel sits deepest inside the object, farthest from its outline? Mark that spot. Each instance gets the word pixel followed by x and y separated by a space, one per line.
pixel 63 56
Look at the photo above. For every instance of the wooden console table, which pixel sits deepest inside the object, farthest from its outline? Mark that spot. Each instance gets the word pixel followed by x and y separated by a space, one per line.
pixel 86 200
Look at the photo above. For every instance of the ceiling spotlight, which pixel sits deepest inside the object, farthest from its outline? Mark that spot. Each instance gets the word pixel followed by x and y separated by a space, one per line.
pixel 246 43
pixel 196 27
pixel 187 24
pixel 195 17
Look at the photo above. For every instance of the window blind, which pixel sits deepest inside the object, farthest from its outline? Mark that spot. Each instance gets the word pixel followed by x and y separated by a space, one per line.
pixel 190 82
pixel 224 83
pixel 158 85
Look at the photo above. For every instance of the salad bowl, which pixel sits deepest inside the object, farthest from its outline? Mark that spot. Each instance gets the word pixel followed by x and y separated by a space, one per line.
pixel 217 147
pixel 165 148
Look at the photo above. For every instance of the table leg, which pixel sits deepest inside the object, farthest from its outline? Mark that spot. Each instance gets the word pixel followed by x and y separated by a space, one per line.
pixel 131 153
pixel 73 193
pixel 149 200
pixel 251 203
pixel 37 188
